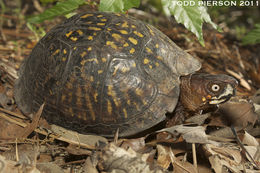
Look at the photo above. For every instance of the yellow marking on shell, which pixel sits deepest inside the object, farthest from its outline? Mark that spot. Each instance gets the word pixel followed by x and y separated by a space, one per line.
pixel 73 38
pixel 157 45
pixel 126 45
pixel 79 116
pixel 83 54
pixel 63 98
pixel 78 100
pixel 64 51
pixel 125 24
pixel 63 59
pixel 163 50
pixel 125 69
pixel 109 29
pixel 109 107
pixel 95 96
pixel 100 71
pixel 128 102
pixel 103 20
pixel 70 97
pixel 94 28
pixel 91 78
pixel 138 34
pixel 56 52
pixel 86 15
pixel 112 93
pixel 115 71
pixel 148 50
pixel 89 22
pixel 92 59
pixel 123 31
pixel 125 113
pixel 133 26
pixel 146 61
pixel 103 59
pixel 94 33
pixel 117 37
pixel 100 15
pixel 89 60
pixel 157 64
pixel 79 32
pixel 203 99
pixel 68 34
pixel 139 92
pixel 150 66
pixel 69 85
pixel 89 48
pixel 132 50
pixel 132 40
pixel 134 64
pixel 118 24
pixel 74 48
pixel 117 14
pixel 137 106
pixel 112 44
pixel 71 111
pixel 90 37
pixel 90 107
pixel 150 30
pixel 159 57
pixel 117 102
pixel 101 24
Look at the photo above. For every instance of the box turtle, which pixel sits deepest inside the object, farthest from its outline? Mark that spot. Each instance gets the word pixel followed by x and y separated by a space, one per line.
pixel 98 72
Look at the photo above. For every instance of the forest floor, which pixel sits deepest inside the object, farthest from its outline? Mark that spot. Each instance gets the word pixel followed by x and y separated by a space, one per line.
pixel 209 145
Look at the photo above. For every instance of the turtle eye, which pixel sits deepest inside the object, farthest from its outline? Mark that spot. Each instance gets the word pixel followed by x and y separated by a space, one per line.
pixel 215 87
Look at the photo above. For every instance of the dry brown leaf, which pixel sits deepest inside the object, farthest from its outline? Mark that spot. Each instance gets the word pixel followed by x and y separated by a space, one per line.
pixel 136 144
pixel 88 141
pixel 117 160
pixel 89 167
pixel 220 166
pixel 76 150
pixel 32 126
pixel 254 151
pixel 13 167
pixel 239 112
pixel 247 139
pixel 181 166
pixel 256 97
pixel 164 159
pixel 10 130
pixel 49 168
pixel 198 119
pixel 190 134
pixel 228 153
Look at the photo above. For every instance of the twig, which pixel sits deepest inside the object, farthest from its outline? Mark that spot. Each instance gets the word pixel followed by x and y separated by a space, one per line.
pixel 194 156
pixel 242 146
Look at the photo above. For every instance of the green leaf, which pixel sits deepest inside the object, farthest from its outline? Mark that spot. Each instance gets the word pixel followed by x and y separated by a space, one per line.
pixel 253 37
pixel 60 8
pixel 191 15
pixel 118 5
pixel 38 31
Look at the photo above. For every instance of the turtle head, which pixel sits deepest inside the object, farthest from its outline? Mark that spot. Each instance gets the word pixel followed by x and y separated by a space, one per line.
pixel 201 91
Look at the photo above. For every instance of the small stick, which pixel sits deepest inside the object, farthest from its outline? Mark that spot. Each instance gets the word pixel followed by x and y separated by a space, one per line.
pixel 194 156
pixel 242 146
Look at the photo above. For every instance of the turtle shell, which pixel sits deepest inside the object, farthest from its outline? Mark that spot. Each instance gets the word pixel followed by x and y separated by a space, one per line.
pixel 98 72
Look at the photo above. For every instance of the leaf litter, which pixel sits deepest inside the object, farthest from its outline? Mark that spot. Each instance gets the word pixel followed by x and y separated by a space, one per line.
pixel 205 144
